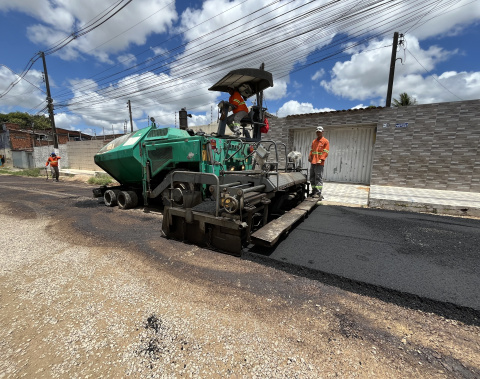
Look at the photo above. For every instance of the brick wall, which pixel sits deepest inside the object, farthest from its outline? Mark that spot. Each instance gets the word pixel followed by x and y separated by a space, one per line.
pixel 12 126
pixel 20 140
pixel 439 149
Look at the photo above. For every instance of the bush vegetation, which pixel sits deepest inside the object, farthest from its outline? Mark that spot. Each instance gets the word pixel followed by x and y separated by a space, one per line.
pixel 100 180
pixel 33 172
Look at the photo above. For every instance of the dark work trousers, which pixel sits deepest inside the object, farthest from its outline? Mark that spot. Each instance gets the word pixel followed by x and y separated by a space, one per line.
pixel 55 172
pixel 233 122
pixel 316 178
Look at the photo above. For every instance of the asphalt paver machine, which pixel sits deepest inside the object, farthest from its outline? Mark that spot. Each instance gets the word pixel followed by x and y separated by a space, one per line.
pixel 219 191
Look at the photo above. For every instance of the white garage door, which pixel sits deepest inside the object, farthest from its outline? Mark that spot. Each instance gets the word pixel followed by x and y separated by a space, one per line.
pixel 351 152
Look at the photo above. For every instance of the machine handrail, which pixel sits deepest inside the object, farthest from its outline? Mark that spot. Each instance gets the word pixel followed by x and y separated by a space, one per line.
pixel 276 156
pixel 199 177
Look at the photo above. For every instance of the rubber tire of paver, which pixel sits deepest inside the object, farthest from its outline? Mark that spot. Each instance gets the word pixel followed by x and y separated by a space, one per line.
pixel 127 199
pixel 110 197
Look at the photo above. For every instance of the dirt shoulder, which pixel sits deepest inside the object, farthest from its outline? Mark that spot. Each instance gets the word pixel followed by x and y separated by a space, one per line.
pixel 73 307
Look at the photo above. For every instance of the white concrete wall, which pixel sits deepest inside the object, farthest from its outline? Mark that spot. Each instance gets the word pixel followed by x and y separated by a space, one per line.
pixel 81 153
pixel 210 128
pixel 41 154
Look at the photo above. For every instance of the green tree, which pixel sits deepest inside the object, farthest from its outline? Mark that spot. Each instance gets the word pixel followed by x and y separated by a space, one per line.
pixel 404 101
pixel 25 120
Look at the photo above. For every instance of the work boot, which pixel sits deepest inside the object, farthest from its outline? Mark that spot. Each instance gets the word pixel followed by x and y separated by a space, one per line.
pixel 315 195
pixel 237 131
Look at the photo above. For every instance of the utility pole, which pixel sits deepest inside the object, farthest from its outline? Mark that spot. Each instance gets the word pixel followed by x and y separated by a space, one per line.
pixel 50 103
pixel 125 127
pixel 130 111
pixel 388 103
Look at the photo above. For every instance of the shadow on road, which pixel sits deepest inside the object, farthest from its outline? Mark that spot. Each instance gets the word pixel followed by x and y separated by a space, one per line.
pixel 466 315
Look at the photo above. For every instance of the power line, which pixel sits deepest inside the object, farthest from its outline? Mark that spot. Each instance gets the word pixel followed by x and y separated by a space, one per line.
pixel 207 55
pixel 282 39
pixel 433 76
pixel 100 20
pixel 172 51
pixel 232 45
pixel 20 78
pixel 89 27
pixel 22 75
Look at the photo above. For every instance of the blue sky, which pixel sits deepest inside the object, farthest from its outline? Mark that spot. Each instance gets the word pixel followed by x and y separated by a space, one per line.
pixel 163 55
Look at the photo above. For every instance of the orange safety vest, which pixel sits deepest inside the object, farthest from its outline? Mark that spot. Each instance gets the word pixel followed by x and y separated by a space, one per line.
pixel 53 161
pixel 319 151
pixel 237 99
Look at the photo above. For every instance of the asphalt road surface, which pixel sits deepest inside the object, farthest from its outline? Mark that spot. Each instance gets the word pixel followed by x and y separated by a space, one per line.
pixel 411 256
pixel 428 256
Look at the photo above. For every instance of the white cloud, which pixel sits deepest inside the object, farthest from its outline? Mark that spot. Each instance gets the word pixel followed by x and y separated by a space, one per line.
pixel 451 86
pixel 319 74
pixel 294 107
pixel 132 25
pixel 459 15
pixel 43 10
pixel 278 91
pixel 365 75
pixel 269 38
pixel 157 50
pixel 25 92
pixel 199 120
pixel 67 121
pixel 359 106
pixel 151 95
pixel 127 60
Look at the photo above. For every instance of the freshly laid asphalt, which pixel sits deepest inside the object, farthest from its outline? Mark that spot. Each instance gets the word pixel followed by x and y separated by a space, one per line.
pixel 433 257
pixel 420 255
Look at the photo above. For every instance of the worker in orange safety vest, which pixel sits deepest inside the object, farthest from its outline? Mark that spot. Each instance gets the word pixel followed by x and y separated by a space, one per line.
pixel 53 162
pixel 239 109
pixel 317 156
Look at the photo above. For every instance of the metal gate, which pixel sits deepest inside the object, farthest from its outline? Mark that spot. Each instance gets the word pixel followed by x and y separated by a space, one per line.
pixel 351 152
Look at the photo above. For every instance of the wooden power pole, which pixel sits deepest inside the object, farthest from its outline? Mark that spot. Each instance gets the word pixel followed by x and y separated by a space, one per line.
pixel 130 112
pixel 50 103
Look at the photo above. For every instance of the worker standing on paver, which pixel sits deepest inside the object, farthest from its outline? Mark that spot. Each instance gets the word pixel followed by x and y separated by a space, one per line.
pixel 53 162
pixel 317 156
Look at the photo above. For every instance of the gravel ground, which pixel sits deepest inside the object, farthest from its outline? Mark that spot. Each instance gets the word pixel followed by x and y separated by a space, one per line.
pixel 73 310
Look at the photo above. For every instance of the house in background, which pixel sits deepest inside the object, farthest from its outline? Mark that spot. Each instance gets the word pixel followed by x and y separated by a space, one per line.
pixel 429 146
pixel 27 148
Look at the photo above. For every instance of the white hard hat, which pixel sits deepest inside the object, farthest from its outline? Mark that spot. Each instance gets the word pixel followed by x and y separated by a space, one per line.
pixel 319 129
